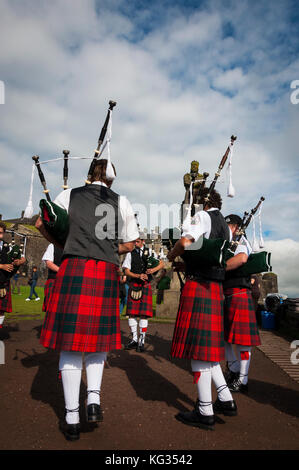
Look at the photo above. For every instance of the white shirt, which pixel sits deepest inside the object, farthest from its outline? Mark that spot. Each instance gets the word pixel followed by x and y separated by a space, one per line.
pixel 1 245
pixel 200 225
pixel 49 253
pixel 243 247
pixel 129 231
pixel 128 260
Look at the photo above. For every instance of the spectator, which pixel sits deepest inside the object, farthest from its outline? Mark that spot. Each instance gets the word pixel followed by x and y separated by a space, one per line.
pixel 15 283
pixel 32 282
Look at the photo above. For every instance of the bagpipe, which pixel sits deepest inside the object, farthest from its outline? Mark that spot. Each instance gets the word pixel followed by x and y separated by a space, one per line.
pixel 149 262
pixel 212 251
pixel 55 219
pixel 13 251
pixel 257 262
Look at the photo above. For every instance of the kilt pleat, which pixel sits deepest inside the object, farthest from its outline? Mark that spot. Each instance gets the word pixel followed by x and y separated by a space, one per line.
pixel 144 306
pixel 83 309
pixel 240 325
pixel 47 292
pixel 5 302
pixel 198 332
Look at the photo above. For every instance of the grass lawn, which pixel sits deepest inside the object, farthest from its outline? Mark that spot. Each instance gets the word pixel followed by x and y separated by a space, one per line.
pixel 23 310
pixel 32 310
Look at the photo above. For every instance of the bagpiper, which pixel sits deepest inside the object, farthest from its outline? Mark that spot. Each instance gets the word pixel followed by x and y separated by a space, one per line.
pixel 83 310
pixel 140 297
pixel 198 333
pixel 240 325
pixel 8 265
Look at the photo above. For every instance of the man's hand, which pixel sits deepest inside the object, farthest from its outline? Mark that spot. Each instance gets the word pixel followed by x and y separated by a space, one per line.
pixel 7 267
pixel 150 271
pixel 143 277
pixel 19 262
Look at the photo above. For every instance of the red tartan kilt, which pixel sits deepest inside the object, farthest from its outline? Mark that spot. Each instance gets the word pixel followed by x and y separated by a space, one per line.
pixel 5 302
pixel 47 292
pixel 83 309
pixel 144 306
pixel 240 325
pixel 198 332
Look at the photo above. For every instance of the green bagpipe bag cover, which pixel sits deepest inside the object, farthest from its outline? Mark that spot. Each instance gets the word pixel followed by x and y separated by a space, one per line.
pixel 55 220
pixel 164 283
pixel 212 253
pixel 152 262
pixel 14 253
pixel 256 263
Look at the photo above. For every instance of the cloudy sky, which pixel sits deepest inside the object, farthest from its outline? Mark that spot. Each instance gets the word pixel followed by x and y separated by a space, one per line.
pixel 185 75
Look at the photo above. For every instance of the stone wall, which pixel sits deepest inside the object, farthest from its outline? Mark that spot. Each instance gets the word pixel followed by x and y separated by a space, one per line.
pixel 35 247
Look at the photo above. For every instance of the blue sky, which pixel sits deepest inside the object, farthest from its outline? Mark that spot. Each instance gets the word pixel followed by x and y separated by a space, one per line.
pixel 186 75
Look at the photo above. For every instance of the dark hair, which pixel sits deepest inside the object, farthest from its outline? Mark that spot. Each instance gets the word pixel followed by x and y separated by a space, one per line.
pixel 215 199
pixel 3 225
pixel 34 267
pixel 233 219
pixel 99 172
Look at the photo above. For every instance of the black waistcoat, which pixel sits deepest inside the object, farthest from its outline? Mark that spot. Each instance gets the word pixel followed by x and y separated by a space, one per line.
pixel 231 280
pixel 4 275
pixel 93 221
pixel 137 262
pixel 219 229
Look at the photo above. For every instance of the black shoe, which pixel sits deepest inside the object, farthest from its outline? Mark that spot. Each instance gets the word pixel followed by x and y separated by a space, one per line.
pixel 71 431
pixel 237 386
pixel 196 419
pixel 228 408
pixel 140 348
pixel 230 376
pixel 94 413
pixel 131 345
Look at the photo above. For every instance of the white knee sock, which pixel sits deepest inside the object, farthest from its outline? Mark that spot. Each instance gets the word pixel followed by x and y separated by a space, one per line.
pixel 203 380
pixel 94 363
pixel 70 365
pixel 133 326
pixel 2 319
pixel 143 323
pixel 245 357
pixel 219 381
pixel 232 361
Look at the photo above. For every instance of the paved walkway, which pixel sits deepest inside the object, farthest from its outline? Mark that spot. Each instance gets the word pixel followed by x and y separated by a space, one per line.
pixel 141 394
pixel 280 352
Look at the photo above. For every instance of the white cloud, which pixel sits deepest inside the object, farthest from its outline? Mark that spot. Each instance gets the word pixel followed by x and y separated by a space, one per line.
pixel 285 262
pixel 63 61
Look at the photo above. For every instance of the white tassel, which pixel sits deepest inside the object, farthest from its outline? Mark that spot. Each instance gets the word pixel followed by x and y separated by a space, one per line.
pixel 230 189
pixel 29 209
pixel 187 221
pixel 110 174
pixel 255 245
pixel 262 243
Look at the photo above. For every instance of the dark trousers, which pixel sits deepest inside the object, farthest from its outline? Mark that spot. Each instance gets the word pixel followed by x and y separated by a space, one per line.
pixel 160 296
pixel 32 290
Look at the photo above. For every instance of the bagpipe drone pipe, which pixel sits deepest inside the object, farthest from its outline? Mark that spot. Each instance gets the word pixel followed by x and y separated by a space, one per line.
pixel 55 219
